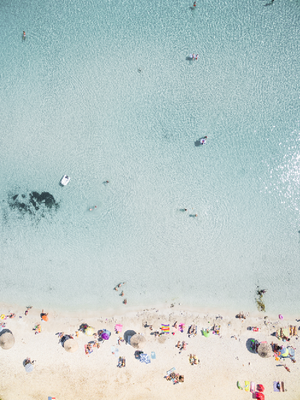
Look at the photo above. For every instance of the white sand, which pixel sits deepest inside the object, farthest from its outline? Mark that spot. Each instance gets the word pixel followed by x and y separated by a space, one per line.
pixel 223 360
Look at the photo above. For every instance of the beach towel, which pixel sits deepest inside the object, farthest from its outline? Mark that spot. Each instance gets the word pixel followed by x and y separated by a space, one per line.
pixel 171 370
pixel 238 385
pixel 276 386
pixel 181 327
pixel 51 398
pixel 216 329
pixel 145 358
pixel 205 332
pixel 118 328
pixel 165 328
pixel 153 355
pixel 247 386
pixel 252 387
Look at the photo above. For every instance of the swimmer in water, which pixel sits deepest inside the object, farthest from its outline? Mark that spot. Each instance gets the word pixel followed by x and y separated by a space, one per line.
pixel 24 35
pixel 203 140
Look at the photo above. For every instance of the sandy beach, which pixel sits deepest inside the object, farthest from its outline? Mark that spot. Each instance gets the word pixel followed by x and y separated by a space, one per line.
pixel 223 359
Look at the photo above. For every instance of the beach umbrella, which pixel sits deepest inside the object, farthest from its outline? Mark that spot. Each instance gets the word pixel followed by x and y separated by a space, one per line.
pixel 89 331
pixel 205 332
pixel 264 350
pixel 137 341
pixel 70 345
pixel 128 335
pixel 29 367
pixel 105 336
pixel 7 339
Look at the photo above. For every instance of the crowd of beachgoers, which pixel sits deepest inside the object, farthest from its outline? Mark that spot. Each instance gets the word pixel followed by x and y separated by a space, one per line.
pixel 256 353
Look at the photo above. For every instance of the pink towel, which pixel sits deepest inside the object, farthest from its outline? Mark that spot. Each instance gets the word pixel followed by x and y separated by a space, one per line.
pixel 181 327
pixel 118 327
pixel 252 387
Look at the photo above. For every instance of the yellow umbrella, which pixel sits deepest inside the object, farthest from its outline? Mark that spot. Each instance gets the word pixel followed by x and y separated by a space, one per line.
pixel 89 331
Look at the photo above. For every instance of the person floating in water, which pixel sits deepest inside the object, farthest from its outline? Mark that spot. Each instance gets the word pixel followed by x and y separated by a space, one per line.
pixel 194 5
pixel 203 140
pixel 196 58
pixel 261 292
pixel 24 35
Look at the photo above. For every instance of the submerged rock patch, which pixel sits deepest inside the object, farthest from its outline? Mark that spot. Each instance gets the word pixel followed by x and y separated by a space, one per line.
pixel 33 202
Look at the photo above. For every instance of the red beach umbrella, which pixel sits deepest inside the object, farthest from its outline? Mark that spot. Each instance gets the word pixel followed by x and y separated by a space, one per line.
pixel 260 396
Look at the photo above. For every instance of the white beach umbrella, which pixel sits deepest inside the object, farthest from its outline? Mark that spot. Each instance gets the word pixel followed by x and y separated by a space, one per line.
pixel 70 345
pixel 138 341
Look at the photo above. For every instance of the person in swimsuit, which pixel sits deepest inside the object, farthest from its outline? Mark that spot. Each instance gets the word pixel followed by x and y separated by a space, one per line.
pixel 24 35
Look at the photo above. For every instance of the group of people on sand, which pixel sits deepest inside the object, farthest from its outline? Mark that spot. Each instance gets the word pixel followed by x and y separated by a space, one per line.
pixel 122 362
pixel 116 288
pixel 193 359
pixel 181 345
pixel 38 327
pixel 192 330
pixel 176 378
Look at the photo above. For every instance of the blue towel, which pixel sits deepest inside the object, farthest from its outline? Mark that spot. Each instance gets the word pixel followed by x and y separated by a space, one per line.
pixel 153 355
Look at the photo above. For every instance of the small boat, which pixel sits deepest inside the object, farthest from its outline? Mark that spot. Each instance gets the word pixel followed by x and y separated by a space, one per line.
pixel 65 180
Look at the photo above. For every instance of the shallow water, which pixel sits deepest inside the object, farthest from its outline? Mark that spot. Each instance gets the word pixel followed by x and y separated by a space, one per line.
pixel 73 101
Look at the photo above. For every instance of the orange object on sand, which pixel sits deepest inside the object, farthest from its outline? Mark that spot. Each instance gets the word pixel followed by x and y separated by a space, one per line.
pixel 45 317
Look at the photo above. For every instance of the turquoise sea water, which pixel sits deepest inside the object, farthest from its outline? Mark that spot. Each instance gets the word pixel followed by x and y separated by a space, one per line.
pixel 73 101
